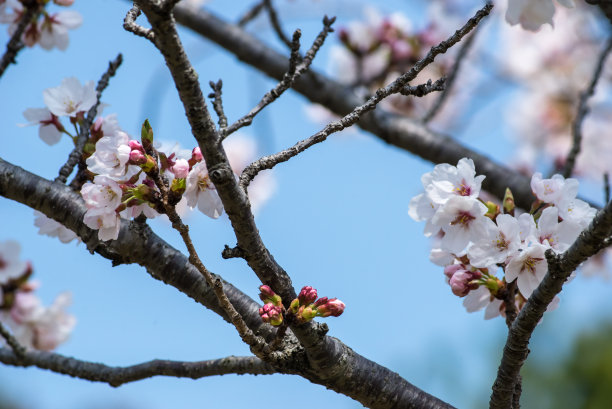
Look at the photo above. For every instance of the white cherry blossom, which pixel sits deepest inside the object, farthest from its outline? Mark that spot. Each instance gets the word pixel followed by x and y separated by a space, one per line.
pixel 532 14
pixel 11 266
pixel 49 227
pixel 49 129
pixel 104 192
pixel 496 241
pixel 36 326
pixel 529 266
pixel 461 218
pixel 554 190
pixel 70 97
pixel 201 192
pixel 54 29
pixel 111 156
pixel 448 181
pixel 481 298
pixel 554 234
pixel 577 211
pixel 105 220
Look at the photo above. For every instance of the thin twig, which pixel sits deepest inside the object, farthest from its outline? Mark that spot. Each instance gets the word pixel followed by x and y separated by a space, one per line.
pixel 84 132
pixel 18 349
pixel 276 23
pixel 14 45
pixel 117 375
pixel 296 68
pixel 461 56
pixel 583 110
pixel 129 24
pixel 423 89
pixel 251 14
pixel 218 103
pixel 268 162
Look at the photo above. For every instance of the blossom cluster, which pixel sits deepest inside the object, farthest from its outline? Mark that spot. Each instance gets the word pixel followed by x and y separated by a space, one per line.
pixel 49 31
pixel 379 48
pixel 124 174
pixel 302 309
pixel 32 324
pixel 553 67
pixel 474 238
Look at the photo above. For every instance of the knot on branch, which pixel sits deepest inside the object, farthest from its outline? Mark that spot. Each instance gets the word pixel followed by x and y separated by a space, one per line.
pixel 232 252
pixel 220 174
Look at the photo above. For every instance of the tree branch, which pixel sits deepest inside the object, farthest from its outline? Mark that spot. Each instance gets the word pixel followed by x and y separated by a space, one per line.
pixel 297 66
pixel 14 45
pixel 357 113
pixel 84 131
pixel 583 110
pixel 355 376
pixel 234 199
pixel 117 375
pixel 559 269
pixel 394 129
pixel 461 56
pixel 18 350
pixel 273 16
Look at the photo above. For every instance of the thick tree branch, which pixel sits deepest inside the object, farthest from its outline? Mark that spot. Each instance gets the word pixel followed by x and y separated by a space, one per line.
pixel 354 376
pixel 14 45
pixel 117 375
pixel 559 269
pixel 394 129
pixel 583 110
pixel 84 131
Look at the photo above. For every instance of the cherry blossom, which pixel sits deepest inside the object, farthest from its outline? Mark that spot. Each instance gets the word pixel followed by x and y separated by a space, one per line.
pixel 201 192
pixel 554 190
pixel 448 181
pixel 554 234
pixel 481 298
pixel 11 267
pixel 496 241
pixel 111 157
pixel 461 218
pixel 532 14
pixel 529 266
pixel 50 129
pixel 70 97
pixel 49 227
pixel 36 326
pixel 54 29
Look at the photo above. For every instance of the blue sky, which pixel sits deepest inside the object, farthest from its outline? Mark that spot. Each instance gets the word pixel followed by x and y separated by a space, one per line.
pixel 338 222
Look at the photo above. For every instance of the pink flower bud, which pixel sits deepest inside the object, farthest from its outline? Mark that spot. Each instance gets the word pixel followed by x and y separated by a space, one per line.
pixel 320 301
pixel 461 282
pixel 196 154
pixel 271 314
pixel 269 297
pixel 308 295
pixel 452 269
pixel 181 169
pixel 333 307
pixel 135 145
pixel 137 157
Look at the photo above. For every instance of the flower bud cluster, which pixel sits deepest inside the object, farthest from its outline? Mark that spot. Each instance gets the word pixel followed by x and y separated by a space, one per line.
pixel 32 324
pixel 302 309
pixel 49 30
pixel 307 306
pixel 474 238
